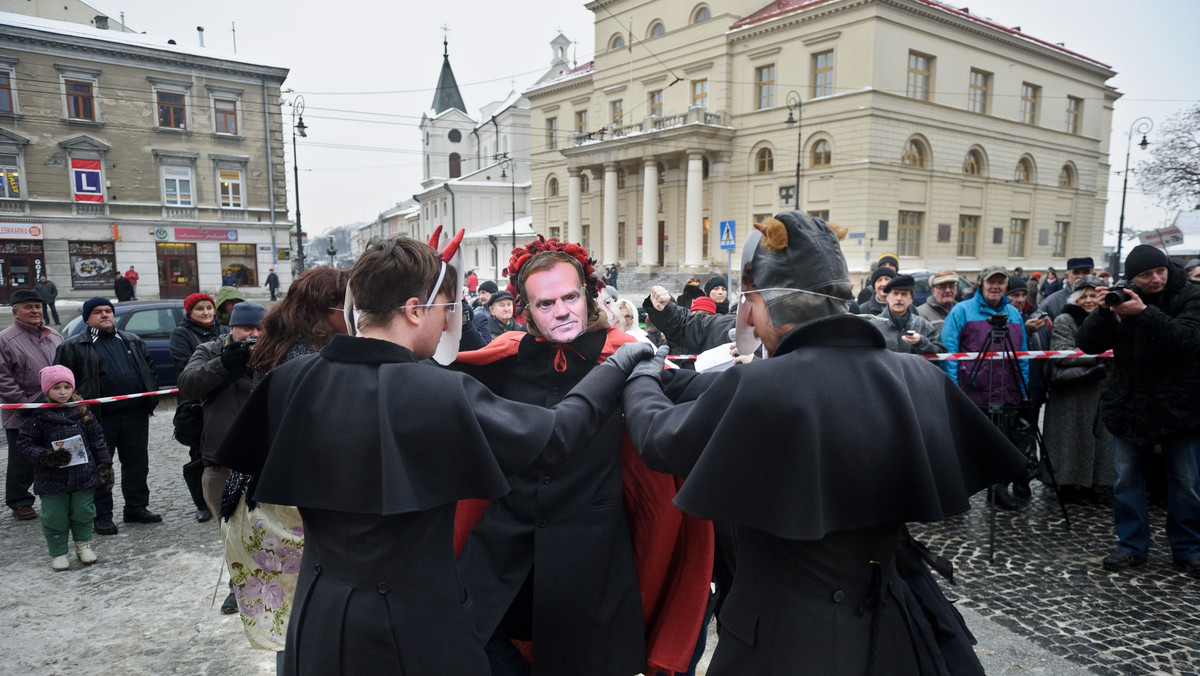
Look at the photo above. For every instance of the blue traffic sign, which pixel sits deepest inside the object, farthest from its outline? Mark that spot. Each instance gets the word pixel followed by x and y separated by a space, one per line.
pixel 728 235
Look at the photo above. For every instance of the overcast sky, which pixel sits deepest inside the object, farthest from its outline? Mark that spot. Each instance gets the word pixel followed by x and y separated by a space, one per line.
pixel 368 72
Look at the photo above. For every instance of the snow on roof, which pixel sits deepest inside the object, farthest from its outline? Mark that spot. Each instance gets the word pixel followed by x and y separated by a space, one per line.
pixel 116 37
pixel 570 74
pixel 524 229
pixel 781 7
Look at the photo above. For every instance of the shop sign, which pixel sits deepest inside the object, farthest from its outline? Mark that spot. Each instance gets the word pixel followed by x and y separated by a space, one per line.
pixel 20 231
pixel 85 177
pixel 205 235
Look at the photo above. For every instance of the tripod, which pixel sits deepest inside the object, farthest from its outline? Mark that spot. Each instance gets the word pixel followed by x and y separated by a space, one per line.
pixel 1006 416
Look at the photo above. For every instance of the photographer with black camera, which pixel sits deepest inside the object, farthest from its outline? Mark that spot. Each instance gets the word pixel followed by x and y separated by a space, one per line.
pixel 217 375
pixel 1152 325
pixel 992 383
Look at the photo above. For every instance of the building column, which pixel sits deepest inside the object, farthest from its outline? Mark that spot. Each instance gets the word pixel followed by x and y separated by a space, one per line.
pixel 693 218
pixel 574 205
pixel 608 249
pixel 650 233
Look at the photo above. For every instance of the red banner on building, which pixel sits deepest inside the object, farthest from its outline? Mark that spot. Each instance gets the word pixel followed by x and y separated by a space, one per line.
pixel 85 179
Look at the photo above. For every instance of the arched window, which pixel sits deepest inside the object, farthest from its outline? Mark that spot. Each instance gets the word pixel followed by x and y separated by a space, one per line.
pixel 973 163
pixel 616 42
pixel 764 161
pixel 657 29
pixel 455 165
pixel 1066 177
pixel 455 136
pixel 585 183
pixel 1024 171
pixel 701 14
pixel 822 153
pixel 552 187
pixel 914 154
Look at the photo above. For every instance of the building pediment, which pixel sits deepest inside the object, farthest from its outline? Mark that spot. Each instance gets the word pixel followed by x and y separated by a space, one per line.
pixel 84 142
pixel 12 138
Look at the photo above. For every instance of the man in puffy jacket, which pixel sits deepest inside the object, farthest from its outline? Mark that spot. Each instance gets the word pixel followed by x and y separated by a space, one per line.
pixel 1152 398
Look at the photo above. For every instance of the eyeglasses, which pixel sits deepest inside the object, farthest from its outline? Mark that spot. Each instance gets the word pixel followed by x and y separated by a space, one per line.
pixel 571 300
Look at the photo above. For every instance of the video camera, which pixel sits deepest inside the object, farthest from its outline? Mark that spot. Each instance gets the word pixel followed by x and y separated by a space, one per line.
pixel 998 320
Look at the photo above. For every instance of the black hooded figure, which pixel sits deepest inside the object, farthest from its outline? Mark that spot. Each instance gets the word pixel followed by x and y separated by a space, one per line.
pixel 822 583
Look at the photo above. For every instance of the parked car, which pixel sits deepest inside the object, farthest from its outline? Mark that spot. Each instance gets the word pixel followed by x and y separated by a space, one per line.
pixel 153 321
pixel 922 277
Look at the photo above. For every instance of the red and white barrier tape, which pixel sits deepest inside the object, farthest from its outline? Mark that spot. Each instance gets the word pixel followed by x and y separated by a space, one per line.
pixel 1019 354
pixel 974 356
pixel 101 400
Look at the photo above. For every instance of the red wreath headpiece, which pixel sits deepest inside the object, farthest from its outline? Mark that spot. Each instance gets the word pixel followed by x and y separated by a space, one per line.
pixel 521 255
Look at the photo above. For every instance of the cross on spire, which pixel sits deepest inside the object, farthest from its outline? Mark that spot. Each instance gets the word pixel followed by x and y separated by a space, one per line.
pixel 445 40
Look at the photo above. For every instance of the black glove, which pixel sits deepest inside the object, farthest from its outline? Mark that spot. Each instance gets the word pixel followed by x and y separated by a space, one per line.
pixel 54 458
pixel 653 366
pixel 104 474
pixel 235 355
pixel 630 355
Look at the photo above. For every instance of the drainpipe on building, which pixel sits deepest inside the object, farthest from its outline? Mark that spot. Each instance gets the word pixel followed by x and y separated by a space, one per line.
pixel 270 171
pixel 478 150
pixel 453 210
pixel 495 253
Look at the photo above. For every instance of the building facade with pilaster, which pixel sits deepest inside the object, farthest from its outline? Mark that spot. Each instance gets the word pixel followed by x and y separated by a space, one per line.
pixel 119 149
pixel 931 133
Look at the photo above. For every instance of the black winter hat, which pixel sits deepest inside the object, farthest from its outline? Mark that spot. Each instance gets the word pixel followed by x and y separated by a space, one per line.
pixel 881 271
pixel 499 296
pixel 489 286
pixel 900 283
pixel 23 296
pixel 713 282
pixel 1015 284
pixel 93 303
pixel 1144 257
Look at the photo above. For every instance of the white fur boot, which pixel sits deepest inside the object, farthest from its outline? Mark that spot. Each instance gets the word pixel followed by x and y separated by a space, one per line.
pixel 83 550
pixel 59 562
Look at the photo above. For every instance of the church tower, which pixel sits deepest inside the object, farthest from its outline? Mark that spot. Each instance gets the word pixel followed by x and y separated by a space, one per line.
pixel 444 129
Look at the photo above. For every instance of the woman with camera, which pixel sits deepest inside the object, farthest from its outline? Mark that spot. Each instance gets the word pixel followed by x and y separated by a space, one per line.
pixel 1080 449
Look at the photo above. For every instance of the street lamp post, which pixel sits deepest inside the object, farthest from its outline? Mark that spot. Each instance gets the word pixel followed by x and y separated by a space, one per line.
pixel 503 157
pixel 298 112
pixel 1142 126
pixel 331 251
pixel 794 104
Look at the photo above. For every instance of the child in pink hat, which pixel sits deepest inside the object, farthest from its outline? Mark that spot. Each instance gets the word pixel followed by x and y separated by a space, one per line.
pixel 70 458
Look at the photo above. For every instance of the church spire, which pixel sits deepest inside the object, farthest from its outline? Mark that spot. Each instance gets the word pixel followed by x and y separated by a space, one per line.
pixel 447 96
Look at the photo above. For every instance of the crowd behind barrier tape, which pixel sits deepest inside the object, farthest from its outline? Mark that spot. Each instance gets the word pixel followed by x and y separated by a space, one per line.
pixel 101 400
pixel 972 356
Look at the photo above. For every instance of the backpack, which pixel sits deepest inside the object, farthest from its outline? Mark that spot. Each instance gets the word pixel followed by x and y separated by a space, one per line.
pixel 189 414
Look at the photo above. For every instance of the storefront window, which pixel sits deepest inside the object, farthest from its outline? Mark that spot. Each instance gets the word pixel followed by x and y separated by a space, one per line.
pixel 239 265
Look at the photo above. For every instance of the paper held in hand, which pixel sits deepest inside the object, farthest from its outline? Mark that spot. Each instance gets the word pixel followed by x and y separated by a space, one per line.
pixel 75 446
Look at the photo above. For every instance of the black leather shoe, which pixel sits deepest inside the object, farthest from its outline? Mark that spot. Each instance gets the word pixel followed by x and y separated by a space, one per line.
pixel 203 515
pixel 1003 499
pixel 230 606
pixel 103 525
pixel 142 515
pixel 1190 566
pixel 1122 560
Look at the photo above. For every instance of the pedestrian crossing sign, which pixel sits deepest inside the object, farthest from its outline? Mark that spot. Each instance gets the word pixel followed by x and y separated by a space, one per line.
pixel 728 235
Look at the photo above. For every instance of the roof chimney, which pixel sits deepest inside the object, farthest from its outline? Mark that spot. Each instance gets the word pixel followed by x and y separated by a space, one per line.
pixel 200 30
pixel 101 22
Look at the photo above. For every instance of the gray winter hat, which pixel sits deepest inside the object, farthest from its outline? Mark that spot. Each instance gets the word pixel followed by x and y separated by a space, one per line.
pixel 247 314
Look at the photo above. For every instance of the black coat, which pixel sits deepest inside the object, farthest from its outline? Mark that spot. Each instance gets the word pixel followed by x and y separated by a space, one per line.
pixel 188 336
pixel 692 333
pixel 1153 394
pixel 45 425
pixel 123 289
pixel 563 528
pixel 375 449
pixel 820 490
pixel 79 354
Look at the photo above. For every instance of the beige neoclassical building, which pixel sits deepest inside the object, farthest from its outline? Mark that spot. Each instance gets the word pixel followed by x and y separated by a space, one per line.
pixel 932 133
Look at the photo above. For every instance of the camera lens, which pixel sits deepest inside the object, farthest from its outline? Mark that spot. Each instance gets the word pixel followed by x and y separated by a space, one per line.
pixel 1115 297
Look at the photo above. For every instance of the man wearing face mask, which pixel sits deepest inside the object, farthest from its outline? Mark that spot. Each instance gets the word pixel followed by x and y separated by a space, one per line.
pixel 819 503
pixel 1152 397
pixel 553 561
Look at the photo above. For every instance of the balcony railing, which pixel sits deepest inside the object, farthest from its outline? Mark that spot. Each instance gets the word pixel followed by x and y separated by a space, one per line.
pixel 12 207
pixel 695 114
pixel 90 209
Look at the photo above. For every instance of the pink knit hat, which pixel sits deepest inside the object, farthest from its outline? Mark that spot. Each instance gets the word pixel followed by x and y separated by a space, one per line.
pixel 52 375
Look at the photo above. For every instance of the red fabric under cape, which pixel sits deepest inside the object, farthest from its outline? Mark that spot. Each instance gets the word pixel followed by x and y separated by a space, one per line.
pixel 673 552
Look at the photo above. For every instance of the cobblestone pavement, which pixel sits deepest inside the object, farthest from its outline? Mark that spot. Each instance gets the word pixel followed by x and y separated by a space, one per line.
pixel 1044 606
